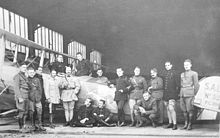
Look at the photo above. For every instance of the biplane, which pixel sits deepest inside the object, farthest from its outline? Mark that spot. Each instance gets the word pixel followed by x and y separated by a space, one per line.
pixel 9 64
pixel 9 67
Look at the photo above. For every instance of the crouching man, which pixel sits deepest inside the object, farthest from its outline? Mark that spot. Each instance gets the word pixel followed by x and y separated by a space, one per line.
pixel 35 98
pixel 102 115
pixel 85 118
pixel 146 108
pixel 70 87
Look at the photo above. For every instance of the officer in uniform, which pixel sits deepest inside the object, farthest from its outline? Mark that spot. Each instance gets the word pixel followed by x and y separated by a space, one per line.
pixel 101 114
pixel 85 117
pixel 146 107
pixel 139 85
pixel 35 98
pixel 156 90
pixel 101 79
pixel 58 66
pixel 189 88
pixel 171 92
pixel 121 94
pixel 43 99
pixel 70 87
pixel 21 89
pixel 82 66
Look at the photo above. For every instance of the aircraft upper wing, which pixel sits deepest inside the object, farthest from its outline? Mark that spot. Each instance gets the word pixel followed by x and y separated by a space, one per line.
pixel 25 42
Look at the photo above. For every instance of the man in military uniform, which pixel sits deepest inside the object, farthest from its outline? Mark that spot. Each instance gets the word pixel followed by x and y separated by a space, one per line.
pixel 146 107
pixel 101 79
pixel 85 117
pixel 156 90
pixel 21 89
pixel 58 66
pixel 52 94
pixel 35 98
pixel 121 94
pixel 43 99
pixel 82 66
pixel 101 114
pixel 189 88
pixel 70 87
pixel 171 92
pixel 139 85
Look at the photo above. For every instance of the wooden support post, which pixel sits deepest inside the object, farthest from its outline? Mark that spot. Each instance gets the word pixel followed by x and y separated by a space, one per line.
pixel 41 64
pixel 2 53
pixel 27 53
pixel 15 54
pixel 52 58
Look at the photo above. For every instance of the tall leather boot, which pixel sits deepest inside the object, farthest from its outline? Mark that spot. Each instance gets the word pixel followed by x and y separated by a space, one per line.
pixel 190 121
pixel 186 121
pixel 40 127
pixel 24 121
pixel 32 121
pixel 51 121
pixel 132 120
pixel 139 120
pixel 20 123
pixel 153 121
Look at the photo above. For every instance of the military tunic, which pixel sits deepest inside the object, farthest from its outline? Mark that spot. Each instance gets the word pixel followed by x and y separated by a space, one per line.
pixel 69 84
pixel 58 66
pixel 85 112
pixel 189 88
pixel 140 85
pixel 189 84
pixel 171 85
pixel 122 83
pixel 102 111
pixel 157 92
pixel 157 87
pixel 35 94
pixel 36 89
pixel 83 67
pixel 21 89
pixel 150 105
pixel 21 86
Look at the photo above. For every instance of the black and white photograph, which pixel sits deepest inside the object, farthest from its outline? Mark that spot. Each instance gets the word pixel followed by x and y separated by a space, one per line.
pixel 109 68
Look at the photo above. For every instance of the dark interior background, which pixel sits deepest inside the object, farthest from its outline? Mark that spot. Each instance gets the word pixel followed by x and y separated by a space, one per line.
pixel 135 32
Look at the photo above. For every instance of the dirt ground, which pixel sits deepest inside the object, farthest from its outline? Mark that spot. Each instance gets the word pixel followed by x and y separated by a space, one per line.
pixel 200 131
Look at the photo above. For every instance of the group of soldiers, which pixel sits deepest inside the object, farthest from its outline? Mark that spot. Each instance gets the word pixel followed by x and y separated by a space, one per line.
pixel 32 94
pixel 146 99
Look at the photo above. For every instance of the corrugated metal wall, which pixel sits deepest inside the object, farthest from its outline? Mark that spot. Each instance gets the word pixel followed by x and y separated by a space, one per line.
pixel 15 24
pixel 96 57
pixel 49 39
pixel 75 47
